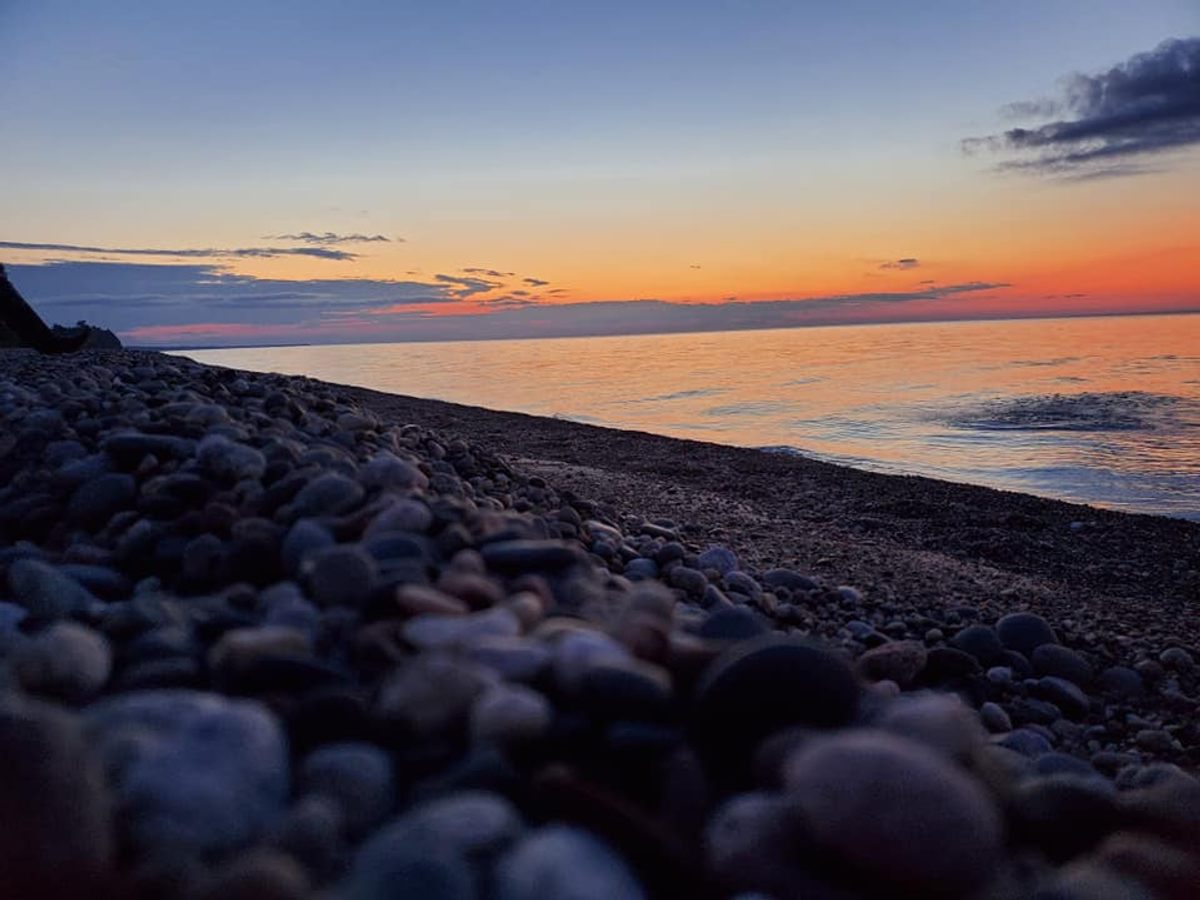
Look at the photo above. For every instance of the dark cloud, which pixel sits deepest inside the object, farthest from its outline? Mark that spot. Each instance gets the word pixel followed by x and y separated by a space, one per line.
pixel 326 238
pixel 907 262
pixel 462 288
pixel 927 281
pixel 535 282
pixel 128 295
pixel 190 253
pixel 693 266
pixel 163 302
pixel 510 301
pixel 1108 124
pixel 490 273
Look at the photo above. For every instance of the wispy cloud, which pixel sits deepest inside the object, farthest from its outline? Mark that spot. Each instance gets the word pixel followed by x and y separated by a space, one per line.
pixel 329 238
pixel 187 253
pixel 908 262
pixel 535 282
pixel 491 273
pixel 1110 123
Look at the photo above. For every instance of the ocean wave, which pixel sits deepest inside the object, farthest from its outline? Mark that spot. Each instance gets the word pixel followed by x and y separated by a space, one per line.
pixel 1108 411
pixel 681 395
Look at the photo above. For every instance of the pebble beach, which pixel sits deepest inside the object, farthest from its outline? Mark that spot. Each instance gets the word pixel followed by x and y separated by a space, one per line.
pixel 268 637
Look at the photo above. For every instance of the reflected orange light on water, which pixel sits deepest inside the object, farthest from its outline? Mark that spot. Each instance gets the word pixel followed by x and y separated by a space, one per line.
pixel 969 401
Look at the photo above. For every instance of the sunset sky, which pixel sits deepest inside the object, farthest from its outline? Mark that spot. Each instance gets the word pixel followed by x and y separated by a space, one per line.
pixel 246 172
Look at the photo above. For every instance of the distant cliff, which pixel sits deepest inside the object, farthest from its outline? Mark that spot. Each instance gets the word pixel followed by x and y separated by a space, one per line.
pixel 98 338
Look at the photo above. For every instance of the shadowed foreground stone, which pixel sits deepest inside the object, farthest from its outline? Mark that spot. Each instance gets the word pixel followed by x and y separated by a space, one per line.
pixel 55 825
pixel 761 686
pixel 887 807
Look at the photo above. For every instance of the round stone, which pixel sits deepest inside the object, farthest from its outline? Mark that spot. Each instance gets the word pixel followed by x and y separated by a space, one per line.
pixel 56 837
pixel 1061 662
pixel 940 721
pixel 982 642
pixel 1025 632
pixel 761 686
pixel 898 661
pixel 717 557
pixel 97 500
pixel 67 661
pixel 229 461
pixel 359 778
pixel 327 495
pixel 895 812
pixel 732 624
pixel 510 715
pixel 342 575
pixel 1122 681
pixel 192 771
pixel 45 592
pixel 567 863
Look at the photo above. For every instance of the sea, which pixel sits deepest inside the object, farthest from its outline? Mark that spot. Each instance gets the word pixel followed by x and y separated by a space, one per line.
pixel 1103 411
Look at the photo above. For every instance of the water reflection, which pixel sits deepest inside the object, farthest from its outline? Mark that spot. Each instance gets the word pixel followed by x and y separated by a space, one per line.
pixel 901 398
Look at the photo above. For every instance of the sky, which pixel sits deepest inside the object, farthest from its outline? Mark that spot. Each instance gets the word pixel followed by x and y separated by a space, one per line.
pixel 240 173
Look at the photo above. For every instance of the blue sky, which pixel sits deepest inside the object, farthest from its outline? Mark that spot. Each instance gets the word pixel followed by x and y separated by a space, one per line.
pixel 617 148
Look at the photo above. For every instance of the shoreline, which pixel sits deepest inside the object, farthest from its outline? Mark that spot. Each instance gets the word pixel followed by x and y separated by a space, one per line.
pixel 262 630
pixel 854 526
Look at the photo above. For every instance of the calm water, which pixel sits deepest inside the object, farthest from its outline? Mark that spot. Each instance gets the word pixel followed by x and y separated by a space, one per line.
pixel 1103 411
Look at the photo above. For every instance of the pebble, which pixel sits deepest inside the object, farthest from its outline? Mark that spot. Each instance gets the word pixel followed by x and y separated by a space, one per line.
pixel 940 721
pixel 1025 632
pixel 885 806
pixel 305 538
pixel 510 715
pixel 740 699
pixel 67 661
pixel 228 461
pixel 433 851
pixel 1177 658
pixel 432 695
pixel 193 772
pixel 327 495
pixel 564 862
pixel 898 661
pixel 721 559
pixel 359 778
pixel 1122 681
pixel 528 555
pixel 789 579
pixel 56 837
pixel 341 575
pixel 431 631
pixel 994 718
pixel 1062 662
pixel 45 592
pixel 691 581
pixel 982 642
pixel 96 501
pixel 1066 696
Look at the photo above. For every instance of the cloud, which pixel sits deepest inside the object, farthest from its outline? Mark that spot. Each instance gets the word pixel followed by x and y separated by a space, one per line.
pixel 326 238
pixel 1107 124
pixel 209 253
pixel 462 288
pixel 491 273
pixel 535 282
pixel 907 262
pixel 204 302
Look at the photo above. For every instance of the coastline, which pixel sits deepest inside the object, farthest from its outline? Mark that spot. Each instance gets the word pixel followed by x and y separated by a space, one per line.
pixel 902 536
pixel 264 630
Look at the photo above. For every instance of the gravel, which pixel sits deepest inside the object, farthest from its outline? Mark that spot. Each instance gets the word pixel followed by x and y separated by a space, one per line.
pixel 259 637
